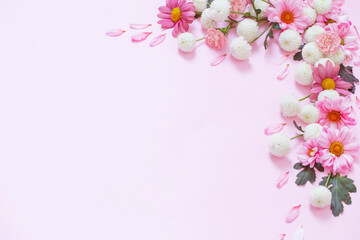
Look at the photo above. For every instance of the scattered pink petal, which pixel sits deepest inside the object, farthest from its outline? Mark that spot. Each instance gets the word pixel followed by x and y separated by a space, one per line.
pixel 357 100
pixel 282 180
pixel 282 59
pixel 115 32
pixel 274 128
pixel 293 214
pixel 218 60
pixel 157 40
pixel 139 26
pixel 282 236
pixel 357 32
pixel 284 71
pixel 140 37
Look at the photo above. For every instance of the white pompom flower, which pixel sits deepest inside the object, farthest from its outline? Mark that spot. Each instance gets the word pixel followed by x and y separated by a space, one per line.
pixel 310 13
pixel 304 74
pixel 248 28
pixel 312 32
pixel 186 42
pixel 337 57
pixel 323 61
pixel 200 5
pixel 330 94
pixel 289 105
pixel 240 48
pixel 290 40
pixel 259 4
pixel 279 145
pixel 311 53
pixel 309 114
pixel 320 197
pixel 312 131
pixel 322 6
pixel 220 10
pixel 206 19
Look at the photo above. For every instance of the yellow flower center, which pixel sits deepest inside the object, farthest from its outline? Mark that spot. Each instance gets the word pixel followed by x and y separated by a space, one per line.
pixel 334 116
pixel 287 17
pixel 310 152
pixel 330 21
pixel 176 14
pixel 342 42
pixel 328 84
pixel 337 148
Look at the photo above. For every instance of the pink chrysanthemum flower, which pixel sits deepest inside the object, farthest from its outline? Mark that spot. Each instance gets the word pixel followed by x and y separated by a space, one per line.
pixel 309 153
pixel 177 14
pixel 327 78
pixel 338 149
pixel 335 113
pixel 288 14
pixel 349 40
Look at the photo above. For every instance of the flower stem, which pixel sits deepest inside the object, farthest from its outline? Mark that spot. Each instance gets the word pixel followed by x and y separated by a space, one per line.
pixel 268 3
pixel 263 23
pixel 200 39
pixel 297 136
pixel 253 5
pixel 327 181
pixel 261 33
pixel 304 98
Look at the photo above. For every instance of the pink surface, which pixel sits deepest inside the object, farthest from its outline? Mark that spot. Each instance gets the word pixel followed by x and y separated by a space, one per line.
pixel 101 138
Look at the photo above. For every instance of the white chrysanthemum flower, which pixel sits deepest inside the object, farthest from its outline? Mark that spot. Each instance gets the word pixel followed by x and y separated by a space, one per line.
pixel 248 28
pixel 320 197
pixel 279 145
pixel 289 105
pixel 240 48
pixel 323 61
pixel 220 10
pixel 310 13
pixel 322 6
pixel 330 94
pixel 206 19
pixel 338 57
pixel 200 5
pixel 304 74
pixel 259 4
pixel 309 114
pixel 312 32
pixel 312 131
pixel 290 40
pixel 311 53
pixel 186 42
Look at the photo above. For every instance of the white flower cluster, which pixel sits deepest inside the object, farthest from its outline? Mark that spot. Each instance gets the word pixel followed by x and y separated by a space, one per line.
pixel 279 145
pixel 220 10
pixel 262 6
pixel 320 197
pixel 290 40
pixel 240 48
pixel 186 42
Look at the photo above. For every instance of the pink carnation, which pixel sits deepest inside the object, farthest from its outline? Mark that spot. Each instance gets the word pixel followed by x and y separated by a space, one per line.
pixel 328 42
pixel 288 14
pixel 338 150
pixel 309 153
pixel 327 78
pixel 335 113
pixel 237 6
pixel 215 39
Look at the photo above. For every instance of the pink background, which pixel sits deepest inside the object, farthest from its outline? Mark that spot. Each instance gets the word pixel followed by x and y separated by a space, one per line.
pixel 101 138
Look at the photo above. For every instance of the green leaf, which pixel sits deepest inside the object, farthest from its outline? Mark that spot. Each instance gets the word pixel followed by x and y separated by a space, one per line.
pixel 298 166
pixel 319 167
pixel 306 175
pixel 340 188
pixel 277 26
pixel 298 56
pixel 269 35
pixel 346 73
pixel 258 11
pixel 198 14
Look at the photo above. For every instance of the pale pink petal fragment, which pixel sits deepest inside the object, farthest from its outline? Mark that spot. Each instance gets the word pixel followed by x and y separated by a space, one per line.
pixel 274 128
pixel 293 214
pixel 218 60
pixel 284 71
pixel 299 234
pixel 357 32
pixel 157 40
pixel 357 100
pixel 282 236
pixel 140 37
pixel 139 26
pixel 282 59
pixel 282 180
pixel 115 32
